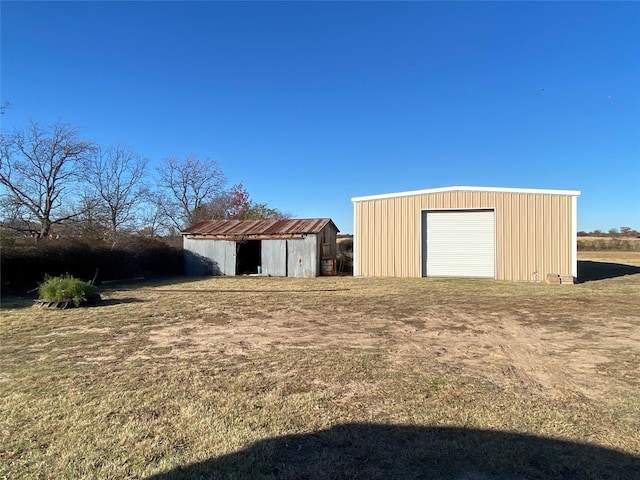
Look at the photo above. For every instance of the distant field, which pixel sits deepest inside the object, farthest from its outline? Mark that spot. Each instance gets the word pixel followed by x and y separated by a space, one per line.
pixel 338 377
pixel 609 243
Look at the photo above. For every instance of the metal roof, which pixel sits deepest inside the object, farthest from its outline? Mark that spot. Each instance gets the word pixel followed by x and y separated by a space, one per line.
pixel 574 193
pixel 242 228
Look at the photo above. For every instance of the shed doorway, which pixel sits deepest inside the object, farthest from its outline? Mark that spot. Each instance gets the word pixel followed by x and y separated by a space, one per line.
pixel 248 256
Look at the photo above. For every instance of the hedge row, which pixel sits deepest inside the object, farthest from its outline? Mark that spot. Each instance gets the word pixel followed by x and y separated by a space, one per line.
pixel 615 243
pixel 24 266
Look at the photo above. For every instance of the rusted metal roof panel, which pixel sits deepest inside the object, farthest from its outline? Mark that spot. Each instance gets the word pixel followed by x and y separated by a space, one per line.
pixel 242 228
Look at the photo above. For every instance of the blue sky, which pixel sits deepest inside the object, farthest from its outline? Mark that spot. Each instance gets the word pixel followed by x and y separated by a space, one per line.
pixel 312 103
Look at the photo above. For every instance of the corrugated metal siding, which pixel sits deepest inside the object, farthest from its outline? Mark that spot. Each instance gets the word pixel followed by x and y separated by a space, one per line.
pixel 533 232
pixel 302 257
pixel 209 258
pixel 274 257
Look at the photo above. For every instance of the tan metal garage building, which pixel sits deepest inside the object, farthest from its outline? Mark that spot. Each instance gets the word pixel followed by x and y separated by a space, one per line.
pixel 502 233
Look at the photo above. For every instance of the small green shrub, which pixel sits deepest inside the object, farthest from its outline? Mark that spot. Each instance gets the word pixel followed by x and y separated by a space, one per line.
pixel 65 289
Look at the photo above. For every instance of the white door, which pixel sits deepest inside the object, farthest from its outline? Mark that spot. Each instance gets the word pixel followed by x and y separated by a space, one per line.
pixel 459 243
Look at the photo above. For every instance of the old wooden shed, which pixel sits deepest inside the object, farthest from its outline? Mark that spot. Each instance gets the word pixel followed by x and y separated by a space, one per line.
pixel 279 248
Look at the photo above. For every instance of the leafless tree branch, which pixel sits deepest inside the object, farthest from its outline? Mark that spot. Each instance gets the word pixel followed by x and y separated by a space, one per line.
pixel 36 166
pixel 188 184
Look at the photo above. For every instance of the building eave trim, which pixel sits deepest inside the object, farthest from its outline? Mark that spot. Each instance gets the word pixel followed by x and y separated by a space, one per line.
pixel 573 193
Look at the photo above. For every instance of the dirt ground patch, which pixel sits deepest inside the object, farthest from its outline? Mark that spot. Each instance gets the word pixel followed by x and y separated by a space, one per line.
pixel 500 347
pixel 547 340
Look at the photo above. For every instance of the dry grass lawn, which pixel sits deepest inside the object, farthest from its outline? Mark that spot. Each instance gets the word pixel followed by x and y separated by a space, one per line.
pixel 328 378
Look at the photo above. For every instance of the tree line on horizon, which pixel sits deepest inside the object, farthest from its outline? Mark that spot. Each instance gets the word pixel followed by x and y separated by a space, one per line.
pixel 55 183
pixel 625 232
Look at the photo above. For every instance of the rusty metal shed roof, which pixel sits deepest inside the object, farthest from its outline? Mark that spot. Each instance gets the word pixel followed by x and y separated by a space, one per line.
pixel 248 228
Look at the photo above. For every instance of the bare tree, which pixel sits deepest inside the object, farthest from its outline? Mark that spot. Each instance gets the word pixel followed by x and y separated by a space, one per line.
pixel 218 208
pixel 92 220
pixel 188 184
pixel 152 221
pixel 116 178
pixel 37 170
pixel 14 217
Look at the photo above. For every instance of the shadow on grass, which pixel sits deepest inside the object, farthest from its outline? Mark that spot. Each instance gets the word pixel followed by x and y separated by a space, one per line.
pixel 17 301
pixel 376 451
pixel 133 283
pixel 27 301
pixel 116 301
pixel 159 281
pixel 589 271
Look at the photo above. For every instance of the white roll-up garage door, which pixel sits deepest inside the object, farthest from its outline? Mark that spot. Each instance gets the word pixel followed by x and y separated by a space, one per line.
pixel 459 243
